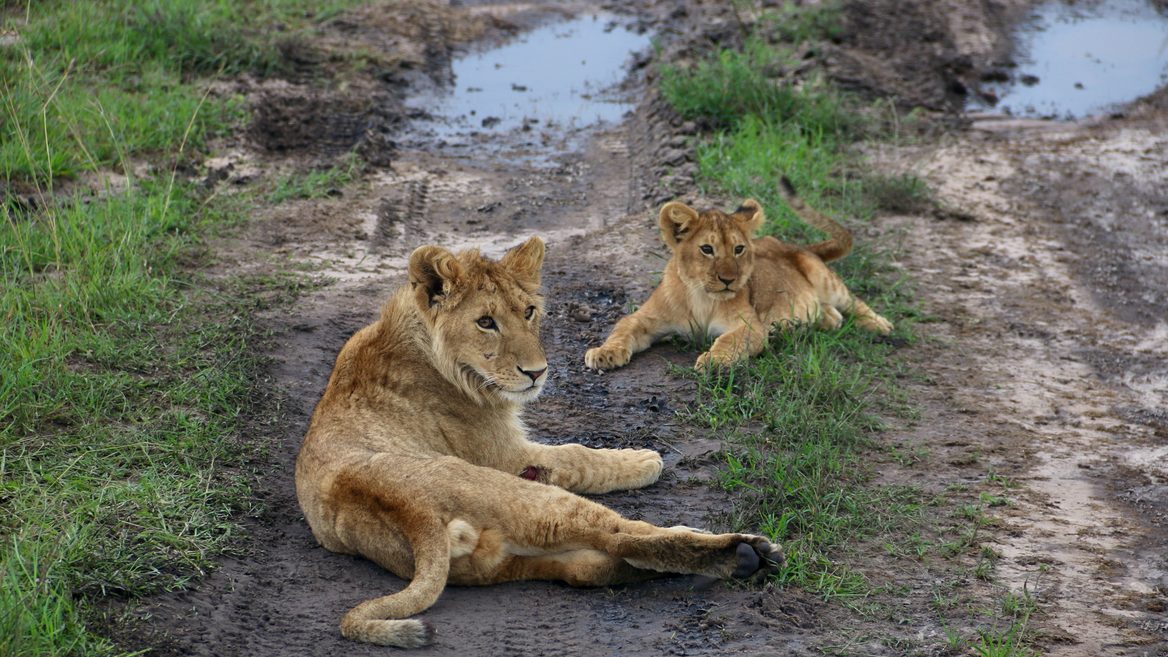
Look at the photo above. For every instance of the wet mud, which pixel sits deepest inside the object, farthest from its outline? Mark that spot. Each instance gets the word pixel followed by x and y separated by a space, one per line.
pixel 1044 361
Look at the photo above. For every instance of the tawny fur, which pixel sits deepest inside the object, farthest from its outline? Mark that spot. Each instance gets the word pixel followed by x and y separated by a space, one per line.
pixel 723 282
pixel 416 457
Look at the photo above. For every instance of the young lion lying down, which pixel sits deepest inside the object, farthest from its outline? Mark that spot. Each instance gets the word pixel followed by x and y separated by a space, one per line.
pixel 723 282
pixel 416 458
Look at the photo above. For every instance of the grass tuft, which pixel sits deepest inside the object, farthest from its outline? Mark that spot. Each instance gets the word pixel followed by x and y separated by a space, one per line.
pixel 732 85
pixel 318 183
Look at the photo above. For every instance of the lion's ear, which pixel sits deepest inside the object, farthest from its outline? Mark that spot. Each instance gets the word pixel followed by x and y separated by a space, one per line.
pixel 433 273
pixel 750 216
pixel 525 261
pixel 675 220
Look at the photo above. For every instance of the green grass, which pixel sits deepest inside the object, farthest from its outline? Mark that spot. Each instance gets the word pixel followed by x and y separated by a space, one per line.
pixel 96 84
pixel 123 384
pixel 125 374
pixel 800 416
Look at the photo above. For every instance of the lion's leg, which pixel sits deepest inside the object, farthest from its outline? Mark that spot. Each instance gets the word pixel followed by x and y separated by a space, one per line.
pixel 633 334
pixel 829 318
pixel 574 567
pixel 748 339
pixel 558 522
pixel 582 469
pixel 684 551
pixel 798 309
pixel 838 296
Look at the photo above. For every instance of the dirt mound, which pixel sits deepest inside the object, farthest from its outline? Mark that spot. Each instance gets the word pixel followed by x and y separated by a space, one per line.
pixel 921 54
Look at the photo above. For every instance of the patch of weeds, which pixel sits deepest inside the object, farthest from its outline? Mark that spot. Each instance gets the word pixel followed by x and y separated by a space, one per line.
pixel 1005 482
pixel 731 85
pixel 56 126
pixel 800 416
pixel 320 183
pixel 954 642
pixel 991 500
pixel 124 384
pixel 797 24
pixel 901 193
pixel 908 455
pixel 1013 641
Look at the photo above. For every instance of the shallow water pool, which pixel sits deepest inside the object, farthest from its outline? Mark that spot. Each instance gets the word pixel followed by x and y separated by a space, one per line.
pixel 560 76
pixel 1085 58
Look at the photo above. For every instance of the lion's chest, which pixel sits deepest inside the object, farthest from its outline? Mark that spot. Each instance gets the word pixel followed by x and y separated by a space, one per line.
pixel 708 318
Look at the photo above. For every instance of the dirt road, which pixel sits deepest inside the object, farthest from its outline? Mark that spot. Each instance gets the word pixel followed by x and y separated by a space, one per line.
pixel 1045 364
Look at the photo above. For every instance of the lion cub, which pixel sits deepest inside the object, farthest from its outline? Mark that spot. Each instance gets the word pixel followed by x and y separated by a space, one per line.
pixel 723 282
pixel 416 458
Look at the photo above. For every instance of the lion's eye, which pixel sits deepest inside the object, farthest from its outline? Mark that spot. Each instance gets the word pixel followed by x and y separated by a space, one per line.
pixel 707 249
pixel 739 249
pixel 486 322
pixel 530 312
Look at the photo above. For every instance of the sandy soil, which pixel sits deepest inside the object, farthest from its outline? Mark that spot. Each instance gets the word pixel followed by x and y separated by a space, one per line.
pixel 1044 361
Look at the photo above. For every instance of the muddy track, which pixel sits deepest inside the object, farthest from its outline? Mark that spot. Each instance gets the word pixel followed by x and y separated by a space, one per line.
pixel 287 597
pixel 1045 363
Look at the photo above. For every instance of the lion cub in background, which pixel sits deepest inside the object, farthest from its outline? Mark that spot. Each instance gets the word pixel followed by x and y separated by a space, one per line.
pixel 723 282
pixel 416 457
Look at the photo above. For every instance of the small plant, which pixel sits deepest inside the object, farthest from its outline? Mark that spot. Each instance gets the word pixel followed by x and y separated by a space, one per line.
pixel 902 193
pixel 953 640
pixel 1008 643
pixel 320 183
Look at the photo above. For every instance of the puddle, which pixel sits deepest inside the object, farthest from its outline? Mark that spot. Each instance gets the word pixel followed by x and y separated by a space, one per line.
pixel 546 84
pixel 1084 58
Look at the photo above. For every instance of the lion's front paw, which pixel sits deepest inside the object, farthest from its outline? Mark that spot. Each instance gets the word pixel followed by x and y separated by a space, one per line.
pixel 606 358
pixel 876 324
pixel 648 465
pixel 711 360
pixel 636 468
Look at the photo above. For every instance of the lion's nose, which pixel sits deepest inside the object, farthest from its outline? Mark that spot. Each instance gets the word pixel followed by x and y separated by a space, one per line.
pixel 726 281
pixel 534 374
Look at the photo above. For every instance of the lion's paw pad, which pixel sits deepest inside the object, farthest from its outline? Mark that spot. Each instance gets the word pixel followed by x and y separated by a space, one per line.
pixel 601 358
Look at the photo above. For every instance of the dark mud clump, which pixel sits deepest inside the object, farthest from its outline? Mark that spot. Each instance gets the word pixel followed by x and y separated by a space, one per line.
pixel 296 120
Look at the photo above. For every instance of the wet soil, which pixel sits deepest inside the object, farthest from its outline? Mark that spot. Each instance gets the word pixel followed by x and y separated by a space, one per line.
pixel 1051 359
pixel 1044 363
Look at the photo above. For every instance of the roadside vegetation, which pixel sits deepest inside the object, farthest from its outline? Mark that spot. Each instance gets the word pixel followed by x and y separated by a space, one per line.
pixel 804 419
pixel 124 373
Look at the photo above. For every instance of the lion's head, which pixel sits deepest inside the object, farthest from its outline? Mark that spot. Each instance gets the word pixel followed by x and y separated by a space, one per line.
pixel 482 317
pixel 714 250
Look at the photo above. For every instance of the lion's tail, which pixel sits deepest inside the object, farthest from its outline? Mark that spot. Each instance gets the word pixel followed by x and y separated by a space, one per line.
pixel 840 242
pixel 384 620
